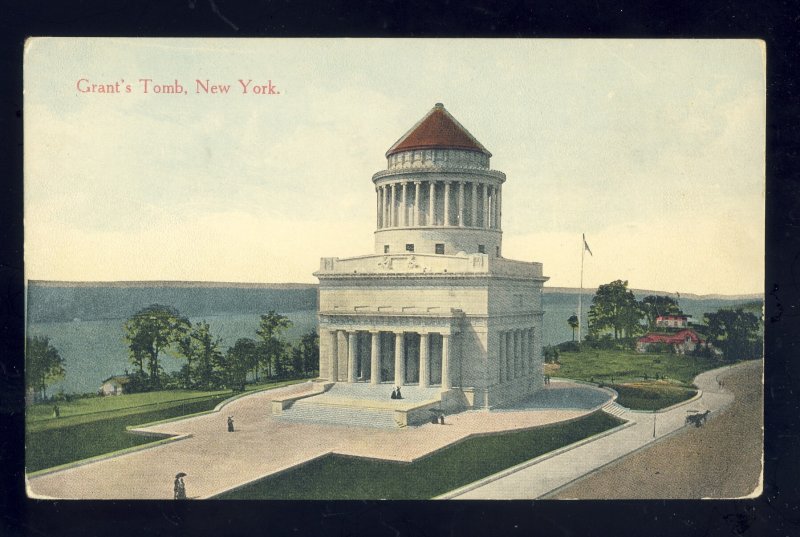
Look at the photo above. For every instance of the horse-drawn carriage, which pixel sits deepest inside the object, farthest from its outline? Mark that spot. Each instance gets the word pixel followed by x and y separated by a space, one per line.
pixel 697 419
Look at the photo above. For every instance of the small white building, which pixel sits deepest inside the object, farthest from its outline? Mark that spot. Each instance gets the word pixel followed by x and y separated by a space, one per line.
pixel 436 304
pixel 114 385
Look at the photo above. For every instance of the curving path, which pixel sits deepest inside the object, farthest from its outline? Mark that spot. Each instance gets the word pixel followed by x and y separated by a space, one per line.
pixel 550 475
pixel 216 460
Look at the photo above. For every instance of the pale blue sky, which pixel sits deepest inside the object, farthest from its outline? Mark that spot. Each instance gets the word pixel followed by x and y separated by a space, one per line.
pixel 654 149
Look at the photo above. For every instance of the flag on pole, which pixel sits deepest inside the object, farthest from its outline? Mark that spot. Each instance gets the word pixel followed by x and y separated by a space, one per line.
pixel 586 245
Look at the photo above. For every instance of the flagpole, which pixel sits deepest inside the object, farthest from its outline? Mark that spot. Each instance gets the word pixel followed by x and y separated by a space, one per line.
pixel 580 294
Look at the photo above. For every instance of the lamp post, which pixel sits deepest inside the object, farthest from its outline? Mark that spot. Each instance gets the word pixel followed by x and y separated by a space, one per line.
pixel 654 424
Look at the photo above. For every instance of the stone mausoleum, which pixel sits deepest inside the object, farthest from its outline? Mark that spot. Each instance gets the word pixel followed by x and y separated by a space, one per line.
pixel 436 308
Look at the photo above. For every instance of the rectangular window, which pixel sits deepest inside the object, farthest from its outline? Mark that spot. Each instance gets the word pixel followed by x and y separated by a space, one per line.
pixel 385 248
pixel 498 252
pixel 440 249
pixel 409 247
pixel 481 248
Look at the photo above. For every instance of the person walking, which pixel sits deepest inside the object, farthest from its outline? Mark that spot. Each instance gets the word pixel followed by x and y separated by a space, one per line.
pixel 230 424
pixel 179 487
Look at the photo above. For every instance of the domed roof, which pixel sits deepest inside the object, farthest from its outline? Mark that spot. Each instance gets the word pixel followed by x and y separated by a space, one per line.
pixel 437 130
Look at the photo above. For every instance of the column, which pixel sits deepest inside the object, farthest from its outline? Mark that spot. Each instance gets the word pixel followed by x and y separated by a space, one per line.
pixel 516 353
pixel 415 214
pixel 399 359
pixel 501 356
pixel 404 207
pixel 375 358
pixel 392 218
pixel 445 362
pixel 351 357
pixel 385 206
pixel 432 204
pixel 531 367
pixel 378 196
pixel 523 344
pixel 491 207
pixel 509 357
pixel 473 217
pixel 424 361
pixel 461 203
pixel 499 206
pixel 446 219
pixel 484 208
pixel 333 356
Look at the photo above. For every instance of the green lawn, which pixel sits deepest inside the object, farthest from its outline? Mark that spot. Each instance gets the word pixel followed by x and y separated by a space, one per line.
pixel 348 478
pixel 651 395
pixel 101 427
pixel 616 366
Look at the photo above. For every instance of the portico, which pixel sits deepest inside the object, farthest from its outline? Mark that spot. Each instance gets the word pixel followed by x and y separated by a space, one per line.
pixel 390 355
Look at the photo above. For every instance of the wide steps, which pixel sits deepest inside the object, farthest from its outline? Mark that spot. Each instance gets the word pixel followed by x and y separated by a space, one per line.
pixel 615 409
pixel 309 412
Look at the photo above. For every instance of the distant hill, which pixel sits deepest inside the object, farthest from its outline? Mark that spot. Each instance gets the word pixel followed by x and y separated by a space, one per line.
pixel 90 301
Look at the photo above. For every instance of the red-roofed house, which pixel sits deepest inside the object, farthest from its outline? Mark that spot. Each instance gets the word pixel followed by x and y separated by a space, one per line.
pixel 682 341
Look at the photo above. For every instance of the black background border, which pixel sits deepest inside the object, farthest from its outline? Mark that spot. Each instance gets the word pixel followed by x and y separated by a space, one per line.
pixel 776 512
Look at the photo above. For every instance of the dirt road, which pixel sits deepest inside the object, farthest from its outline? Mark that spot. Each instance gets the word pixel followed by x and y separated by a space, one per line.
pixel 719 460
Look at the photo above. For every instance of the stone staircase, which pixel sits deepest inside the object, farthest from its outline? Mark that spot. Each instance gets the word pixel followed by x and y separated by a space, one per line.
pixel 363 405
pixel 614 409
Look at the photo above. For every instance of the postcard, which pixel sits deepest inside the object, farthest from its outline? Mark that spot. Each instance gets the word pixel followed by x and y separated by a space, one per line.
pixel 394 268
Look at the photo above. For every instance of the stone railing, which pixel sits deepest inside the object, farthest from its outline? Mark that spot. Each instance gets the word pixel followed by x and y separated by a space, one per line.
pixel 410 263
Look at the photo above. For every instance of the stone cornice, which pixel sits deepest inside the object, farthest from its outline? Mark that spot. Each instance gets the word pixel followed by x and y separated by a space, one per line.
pixel 384 176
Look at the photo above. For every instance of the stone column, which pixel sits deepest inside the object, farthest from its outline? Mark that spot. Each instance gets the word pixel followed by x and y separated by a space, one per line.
pixel 484 208
pixel 501 356
pixel 432 205
pixel 445 362
pixel 333 356
pixel 378 200
pixel 531 351
pixel 385 206
pixel 499 207
pixel 375 358
pixel 523 344
pixel 473 217
pixel 404 207
pixel 424 361
pixel 392 217
pixel 516 353
pixel 446 219
pixel 492 205
pixel 399 359
pixel 461 203
pixel 415 214
pixel 351 357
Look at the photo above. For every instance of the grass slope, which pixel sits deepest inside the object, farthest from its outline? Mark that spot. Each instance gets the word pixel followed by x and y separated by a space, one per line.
pixel 349 478
pixel 651 395
pixel 628 366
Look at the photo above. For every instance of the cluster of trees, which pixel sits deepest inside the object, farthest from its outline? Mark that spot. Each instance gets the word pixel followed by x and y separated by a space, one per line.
pixel 43 366
pixel 159 329
pixel 615 309
pixel 616 312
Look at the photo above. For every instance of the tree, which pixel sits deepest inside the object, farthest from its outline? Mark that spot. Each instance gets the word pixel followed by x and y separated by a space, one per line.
pixel 151 331
pixel 309 347
pixel 654 305
pixel 269 330
pixel 43 365
pixel 573 323
pixel 614 307
pixel 239 360
pixel 199 346
pixel 734 332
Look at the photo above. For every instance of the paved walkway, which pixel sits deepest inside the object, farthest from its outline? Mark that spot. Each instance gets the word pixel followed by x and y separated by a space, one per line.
pixel 549 474
pixel 216 460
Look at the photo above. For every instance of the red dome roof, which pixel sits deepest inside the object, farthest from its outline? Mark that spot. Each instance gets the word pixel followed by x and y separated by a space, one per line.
pixel 438 129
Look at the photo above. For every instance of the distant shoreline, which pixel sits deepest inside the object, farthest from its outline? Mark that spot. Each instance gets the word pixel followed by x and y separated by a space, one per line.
pixel 254 285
